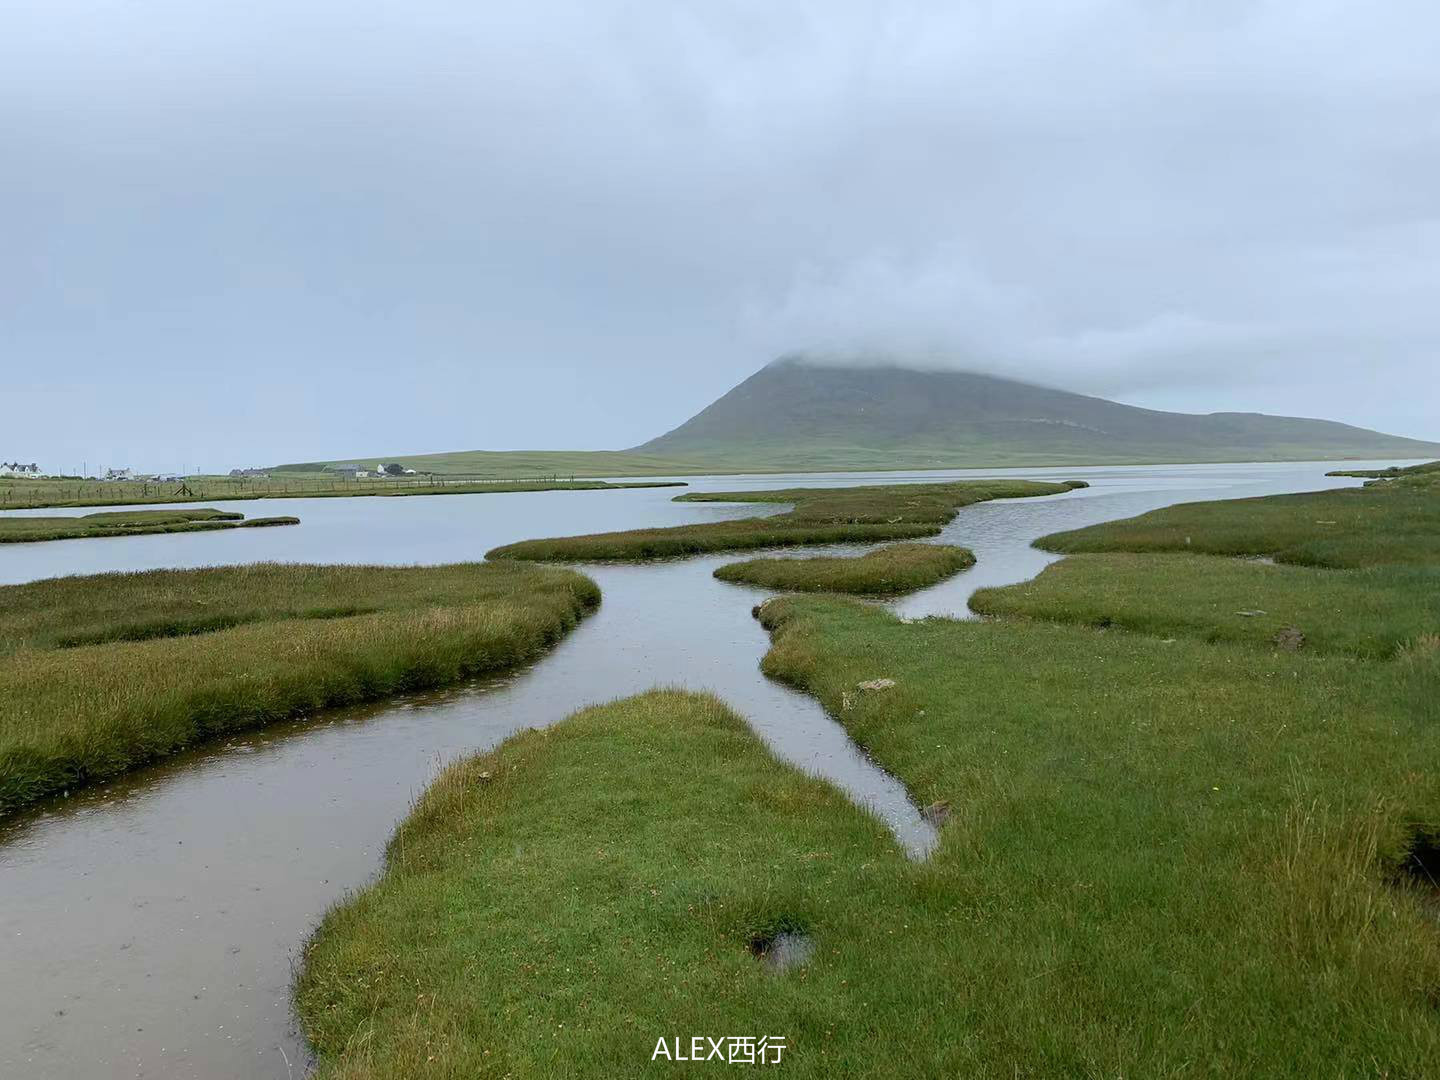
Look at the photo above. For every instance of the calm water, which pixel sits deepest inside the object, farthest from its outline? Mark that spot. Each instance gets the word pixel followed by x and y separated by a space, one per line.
pixel 148 927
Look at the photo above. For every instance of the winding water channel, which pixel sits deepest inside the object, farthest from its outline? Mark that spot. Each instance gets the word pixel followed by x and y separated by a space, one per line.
pixel 148 927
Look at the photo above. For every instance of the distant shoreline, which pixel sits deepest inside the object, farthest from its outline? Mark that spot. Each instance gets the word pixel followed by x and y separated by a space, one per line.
pixel 222 489
pixel 675 468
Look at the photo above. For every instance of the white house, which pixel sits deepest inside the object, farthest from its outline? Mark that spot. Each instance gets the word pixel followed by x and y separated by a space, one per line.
pixel 16 468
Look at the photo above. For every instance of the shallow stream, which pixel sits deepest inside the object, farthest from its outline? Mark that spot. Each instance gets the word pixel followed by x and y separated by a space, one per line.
pixel 148 927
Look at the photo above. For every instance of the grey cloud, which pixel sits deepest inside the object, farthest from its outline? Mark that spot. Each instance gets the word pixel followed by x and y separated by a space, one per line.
pixel 281 230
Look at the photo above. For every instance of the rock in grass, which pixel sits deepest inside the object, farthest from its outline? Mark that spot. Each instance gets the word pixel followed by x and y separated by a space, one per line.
pixel 937 813
pixel 1291 639
pixel 876 684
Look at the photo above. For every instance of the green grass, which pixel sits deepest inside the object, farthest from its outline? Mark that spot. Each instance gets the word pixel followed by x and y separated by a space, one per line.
pixel 1367 584
pixel 15 530
pixel 520 464
pixel 1389 473
pixel 1017 452
pixel 1164 858
pixel 818 516
pixel 887 571
pixel 1385 522
pixel 101 674
pixel 552 908
pixel 1162 861
pixel 35 494
pixel 818 457
pixel 1371 613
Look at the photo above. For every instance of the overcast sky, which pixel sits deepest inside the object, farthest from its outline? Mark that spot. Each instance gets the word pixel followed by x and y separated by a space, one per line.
pixel 278 230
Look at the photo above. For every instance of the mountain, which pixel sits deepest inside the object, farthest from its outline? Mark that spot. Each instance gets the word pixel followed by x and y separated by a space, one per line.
pixel 801 413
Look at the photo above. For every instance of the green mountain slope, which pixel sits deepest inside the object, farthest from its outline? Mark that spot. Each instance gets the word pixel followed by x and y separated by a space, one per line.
pixel 802 414
pixel 793 408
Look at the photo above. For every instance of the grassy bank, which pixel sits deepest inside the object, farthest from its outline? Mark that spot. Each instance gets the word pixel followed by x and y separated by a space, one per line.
pixel 37 494
pixel 1389 473
pixel 1386 522
pixel 101 674
pixel 15 530
pixel 888 571
pixel 1370 613
pixel 552 908
pixel 817 516
pixel 1167 852
pixel 1367 584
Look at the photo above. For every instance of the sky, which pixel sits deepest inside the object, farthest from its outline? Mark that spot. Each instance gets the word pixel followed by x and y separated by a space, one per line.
pixel 284 230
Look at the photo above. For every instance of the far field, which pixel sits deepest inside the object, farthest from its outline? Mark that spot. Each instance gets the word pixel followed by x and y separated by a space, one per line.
pixel 35 494
pixel 520 464
pixel 1170 847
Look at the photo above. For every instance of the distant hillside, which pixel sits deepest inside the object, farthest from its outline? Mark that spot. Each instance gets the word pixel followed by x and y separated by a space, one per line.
pixel 801 414
pixel 797 411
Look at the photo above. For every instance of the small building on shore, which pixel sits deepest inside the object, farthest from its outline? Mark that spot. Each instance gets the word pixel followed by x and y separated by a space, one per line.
pixel 349 471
